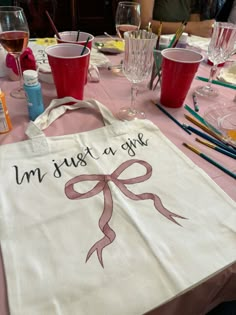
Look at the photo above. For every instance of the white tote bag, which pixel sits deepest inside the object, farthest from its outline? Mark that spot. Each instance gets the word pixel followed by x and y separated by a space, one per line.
pixel 116 220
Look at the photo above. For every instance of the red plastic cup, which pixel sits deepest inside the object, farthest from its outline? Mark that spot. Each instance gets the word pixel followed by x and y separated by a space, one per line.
pixel 69 68
pixel 178 70
pixel 71 37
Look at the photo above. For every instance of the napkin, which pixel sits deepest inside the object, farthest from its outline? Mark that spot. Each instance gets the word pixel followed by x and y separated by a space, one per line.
pixel 228 74
pixel 98 59
pixel 27 61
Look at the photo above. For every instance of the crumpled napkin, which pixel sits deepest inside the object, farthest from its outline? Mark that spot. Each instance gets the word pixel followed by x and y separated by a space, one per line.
pixel 27 61
pixel 98 59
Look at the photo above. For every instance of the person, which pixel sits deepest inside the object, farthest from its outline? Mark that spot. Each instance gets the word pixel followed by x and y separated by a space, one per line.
pixel 208 9
pixel 228 12
pixel 172 14
pixel 232 14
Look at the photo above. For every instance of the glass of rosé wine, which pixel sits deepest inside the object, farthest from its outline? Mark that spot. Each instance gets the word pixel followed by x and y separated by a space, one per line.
pixel 128 17
pixel 14 36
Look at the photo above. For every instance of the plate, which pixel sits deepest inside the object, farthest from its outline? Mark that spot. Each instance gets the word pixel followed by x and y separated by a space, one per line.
pixel 223 118
pixel 109 46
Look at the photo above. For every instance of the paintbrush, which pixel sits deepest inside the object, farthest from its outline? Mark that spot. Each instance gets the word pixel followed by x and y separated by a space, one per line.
pixel 216 148
pixel 155 71
pixel 208 159
pixel 53 25
pixel 177 35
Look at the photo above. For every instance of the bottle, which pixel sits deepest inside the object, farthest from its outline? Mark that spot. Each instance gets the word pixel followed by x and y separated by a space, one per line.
pixel 33 92
pixel 5 122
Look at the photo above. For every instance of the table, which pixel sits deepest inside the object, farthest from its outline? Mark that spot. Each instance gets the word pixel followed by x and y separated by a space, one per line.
pixel 113 91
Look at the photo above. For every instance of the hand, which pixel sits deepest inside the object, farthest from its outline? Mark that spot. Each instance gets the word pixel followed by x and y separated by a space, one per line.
pixel 201 28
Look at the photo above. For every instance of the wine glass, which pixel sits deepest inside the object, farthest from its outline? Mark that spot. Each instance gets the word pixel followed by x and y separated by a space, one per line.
pixel 219 50
pixel 137 66
pixel 127 17
pixel 14 36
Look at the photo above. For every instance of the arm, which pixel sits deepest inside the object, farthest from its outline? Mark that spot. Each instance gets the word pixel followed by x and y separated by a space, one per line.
pixel 199 28
pixel 232 15
pixel 194 26
pixel 147 7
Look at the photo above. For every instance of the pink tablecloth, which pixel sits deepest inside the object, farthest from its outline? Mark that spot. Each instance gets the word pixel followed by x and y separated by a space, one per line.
pixel 113 91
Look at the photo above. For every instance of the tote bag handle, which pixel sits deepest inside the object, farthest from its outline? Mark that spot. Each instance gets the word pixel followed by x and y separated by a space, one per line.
pixel 58 107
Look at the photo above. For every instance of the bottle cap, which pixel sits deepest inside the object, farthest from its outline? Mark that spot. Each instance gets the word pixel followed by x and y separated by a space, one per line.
pixel 183 38
pixel 164 41
pixel 30 77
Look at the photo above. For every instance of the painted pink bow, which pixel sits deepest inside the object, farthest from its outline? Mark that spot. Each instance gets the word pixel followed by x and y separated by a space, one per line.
pixel 102 185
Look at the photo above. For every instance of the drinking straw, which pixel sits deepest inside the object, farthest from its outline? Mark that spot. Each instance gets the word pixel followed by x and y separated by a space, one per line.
pixel 53 25
pixel 184 127
pixel 216 148
pixel 208 159
pixel 195 103
pixel 225 84
pixel 201 119
pixel 212 140
pixel 83 50
pixel 77 38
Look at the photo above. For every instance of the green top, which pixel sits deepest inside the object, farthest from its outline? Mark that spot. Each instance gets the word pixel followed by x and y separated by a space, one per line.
pixel 173 10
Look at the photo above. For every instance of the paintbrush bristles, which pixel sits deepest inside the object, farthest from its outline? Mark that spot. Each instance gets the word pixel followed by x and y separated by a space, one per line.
pixel 159 35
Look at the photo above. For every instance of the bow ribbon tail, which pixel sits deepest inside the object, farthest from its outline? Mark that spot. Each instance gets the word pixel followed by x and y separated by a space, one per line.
pixel 160 207
pixel 157 203
pixel 165 212
pixel 109 234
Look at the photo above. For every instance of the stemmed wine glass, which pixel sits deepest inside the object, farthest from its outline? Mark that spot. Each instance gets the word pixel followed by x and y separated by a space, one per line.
pixel 219 50
pixel 14 36
pixel 128 17
pixel 137 66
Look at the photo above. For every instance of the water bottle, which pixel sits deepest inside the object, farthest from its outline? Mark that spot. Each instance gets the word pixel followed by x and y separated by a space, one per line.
pixel 33 92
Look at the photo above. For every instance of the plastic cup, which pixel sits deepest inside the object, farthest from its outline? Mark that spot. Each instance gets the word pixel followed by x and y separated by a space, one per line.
pixel 69 68
pixel 71 37
pixel 178 70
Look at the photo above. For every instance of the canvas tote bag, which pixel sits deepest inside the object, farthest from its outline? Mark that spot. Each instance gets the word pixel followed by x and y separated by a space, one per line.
pixel 116 220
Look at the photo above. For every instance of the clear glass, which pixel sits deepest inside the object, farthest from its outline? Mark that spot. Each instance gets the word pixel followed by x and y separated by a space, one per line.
pixel 128 17
pixel 219 50
pixel 137 66
pixel 14 36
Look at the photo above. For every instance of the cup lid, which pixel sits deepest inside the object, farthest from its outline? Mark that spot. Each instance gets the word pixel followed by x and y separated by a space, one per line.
pixel 30 77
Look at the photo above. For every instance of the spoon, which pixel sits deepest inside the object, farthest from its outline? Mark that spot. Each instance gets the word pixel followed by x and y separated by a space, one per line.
pixel 108 35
